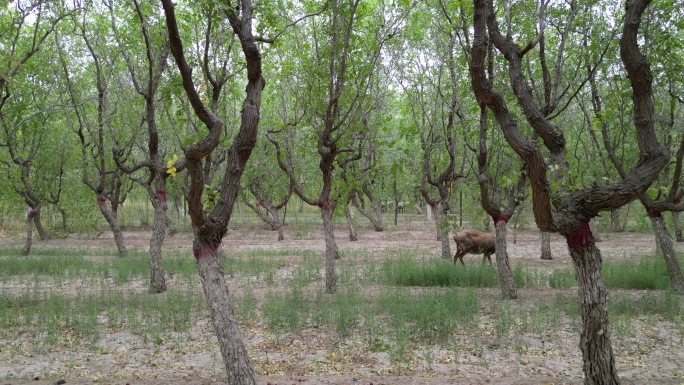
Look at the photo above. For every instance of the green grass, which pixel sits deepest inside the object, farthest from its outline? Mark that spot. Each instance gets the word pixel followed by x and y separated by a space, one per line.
pixel 392 304
pixel 407 271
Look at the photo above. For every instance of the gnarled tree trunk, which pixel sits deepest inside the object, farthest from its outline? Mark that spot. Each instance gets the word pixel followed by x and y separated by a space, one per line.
pixel 230 338
pixel 331 251
pixel 157 280
pixel 668 252
pixel 597 350
pixel 546 246
pixel 113 225
pixel 29 232
pixel 442 226
pixel 508 290
pixel 350 224
pixel 677 226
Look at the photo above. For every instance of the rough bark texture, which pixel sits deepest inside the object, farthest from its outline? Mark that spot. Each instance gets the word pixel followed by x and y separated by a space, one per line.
pixel 331 252
pixel 374 215
pixel 546 246
pixel 230 339
pixel 350 224
pixel 39 226
pixel 210 227
pixel 442 226
pixel 29 234
pixel 677 227
pixel 157 280
pixel 668 252
pixel 113 225
pixel 592 227
pixel 508 290
pixel 570 214
pixel 597 351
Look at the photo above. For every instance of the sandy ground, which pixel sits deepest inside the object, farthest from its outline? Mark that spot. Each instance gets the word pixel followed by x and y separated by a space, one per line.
pixel 314 357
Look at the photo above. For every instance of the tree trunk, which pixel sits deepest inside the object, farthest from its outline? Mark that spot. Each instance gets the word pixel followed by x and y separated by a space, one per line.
pixel 443 230
pixel 29 233
pixel 677 227
pixel 157 280
pixel 597 351
pixel 230 339
pixel 668 252
pixel 428 209
pixel 350 224
pixel 508 290
pixel 113 225
pixel 374 216
pixel 592 227
pixel 331 252
pixel 64 218
pixel 618 226
pixel 39 226
pixel 546 246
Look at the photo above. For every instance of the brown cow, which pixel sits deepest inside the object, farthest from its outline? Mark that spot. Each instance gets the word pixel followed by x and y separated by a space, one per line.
pixel 474 242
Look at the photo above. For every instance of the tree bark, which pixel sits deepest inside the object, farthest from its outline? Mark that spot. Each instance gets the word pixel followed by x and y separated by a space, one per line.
pixel 442 225
pixel 375 217
pixel 597 351
pixel 39 226
pixel 508 290
pixel 29 233
pixel 113 225
pixel 677 227
pixel 546 246
pixel 331 251
pixel 592 227
pixel 618 226
pixel 157 280
pixel 668 252
pixel 350 224
pixel 229 336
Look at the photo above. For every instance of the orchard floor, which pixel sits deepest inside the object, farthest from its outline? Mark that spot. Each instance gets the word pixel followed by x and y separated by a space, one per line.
pixel 655 357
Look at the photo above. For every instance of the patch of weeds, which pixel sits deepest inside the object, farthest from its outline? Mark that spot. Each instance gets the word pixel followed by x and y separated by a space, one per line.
pixel 432 314
pixel 666 304
pixel 562 278
pixel 129 268
pixel 58 266
pixel 288 311
pixel 308 271
pixel 255 266
pixel 564 305
pixel 181 265
pixel 406 271
pixel 528 278
pixel 647 274
pixel 346 309
pixel 504 322
pixel 245 307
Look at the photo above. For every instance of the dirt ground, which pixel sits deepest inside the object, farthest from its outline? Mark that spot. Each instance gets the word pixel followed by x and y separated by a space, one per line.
pixel 656 357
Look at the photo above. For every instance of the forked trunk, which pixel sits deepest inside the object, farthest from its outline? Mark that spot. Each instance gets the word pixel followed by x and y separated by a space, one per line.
pixel 597 351
pixel 668 253
pixel 229 336
pixel 546 246
pixel 350 224
pixel 29 233
pixel 113 225
pixel 508 290
pixel 157 280
pixel 677 227
pixel 331 252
